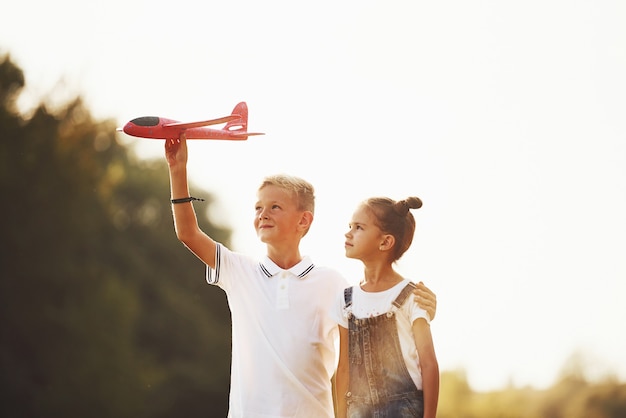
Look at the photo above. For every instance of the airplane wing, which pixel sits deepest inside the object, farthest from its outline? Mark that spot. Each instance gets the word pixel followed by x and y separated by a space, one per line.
pixel 188 125
pixel 243 135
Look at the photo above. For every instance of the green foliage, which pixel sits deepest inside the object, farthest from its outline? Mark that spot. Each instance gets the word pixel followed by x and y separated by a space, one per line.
pixel 103 312
pixel 571 397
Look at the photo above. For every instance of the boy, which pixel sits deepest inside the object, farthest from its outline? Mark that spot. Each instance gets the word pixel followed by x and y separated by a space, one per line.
pixel 283 338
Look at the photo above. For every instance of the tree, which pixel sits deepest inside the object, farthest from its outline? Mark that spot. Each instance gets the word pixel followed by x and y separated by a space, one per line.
pixel 103 312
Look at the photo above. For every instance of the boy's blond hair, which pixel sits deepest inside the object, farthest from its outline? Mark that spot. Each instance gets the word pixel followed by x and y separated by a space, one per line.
pixel 302 190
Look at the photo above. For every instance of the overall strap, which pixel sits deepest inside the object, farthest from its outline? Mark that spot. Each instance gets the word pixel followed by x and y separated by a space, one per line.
pixel 405 293
pixel 347 296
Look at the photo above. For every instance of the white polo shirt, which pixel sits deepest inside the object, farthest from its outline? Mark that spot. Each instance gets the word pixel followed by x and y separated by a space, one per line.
pixel 283 337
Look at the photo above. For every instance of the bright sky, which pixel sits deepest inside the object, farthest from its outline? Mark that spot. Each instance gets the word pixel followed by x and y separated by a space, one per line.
pixel 506 118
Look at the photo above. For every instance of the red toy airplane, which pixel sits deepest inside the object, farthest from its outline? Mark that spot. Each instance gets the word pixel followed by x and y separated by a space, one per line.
pixel 161 128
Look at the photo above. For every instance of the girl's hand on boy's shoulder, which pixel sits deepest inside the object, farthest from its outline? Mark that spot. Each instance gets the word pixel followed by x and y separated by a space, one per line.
pixel 426 299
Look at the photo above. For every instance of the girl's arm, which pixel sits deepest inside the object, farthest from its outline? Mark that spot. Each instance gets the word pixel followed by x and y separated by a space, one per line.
pixel 342 378
pixel 428 365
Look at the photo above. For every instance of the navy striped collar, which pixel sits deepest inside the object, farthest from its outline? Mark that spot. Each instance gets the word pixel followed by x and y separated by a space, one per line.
pixel 269 268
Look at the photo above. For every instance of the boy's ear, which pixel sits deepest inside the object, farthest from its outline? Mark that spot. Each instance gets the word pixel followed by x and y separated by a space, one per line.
pixel 306 219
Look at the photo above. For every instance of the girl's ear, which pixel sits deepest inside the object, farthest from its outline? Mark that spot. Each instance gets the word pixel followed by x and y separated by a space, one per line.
pixel 387 242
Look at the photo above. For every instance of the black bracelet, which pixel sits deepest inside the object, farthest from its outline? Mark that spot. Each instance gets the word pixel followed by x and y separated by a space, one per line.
pixel 186 199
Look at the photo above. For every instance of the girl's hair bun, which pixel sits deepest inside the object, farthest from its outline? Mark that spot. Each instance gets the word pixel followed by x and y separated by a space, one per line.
pixel 402 206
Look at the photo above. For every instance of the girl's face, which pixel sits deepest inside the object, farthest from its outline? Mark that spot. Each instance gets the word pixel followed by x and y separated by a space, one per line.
pixel 364 238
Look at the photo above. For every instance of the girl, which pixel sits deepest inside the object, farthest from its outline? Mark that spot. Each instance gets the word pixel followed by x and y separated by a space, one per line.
pixel 387 362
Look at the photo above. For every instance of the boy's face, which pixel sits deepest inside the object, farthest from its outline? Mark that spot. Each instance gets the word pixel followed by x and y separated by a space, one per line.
pixel 277 217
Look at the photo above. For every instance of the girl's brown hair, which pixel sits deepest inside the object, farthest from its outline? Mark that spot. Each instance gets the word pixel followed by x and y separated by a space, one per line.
pixel 394 218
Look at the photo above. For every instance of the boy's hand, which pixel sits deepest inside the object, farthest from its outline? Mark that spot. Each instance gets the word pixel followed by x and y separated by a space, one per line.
pixel 426 299
pixel 176 150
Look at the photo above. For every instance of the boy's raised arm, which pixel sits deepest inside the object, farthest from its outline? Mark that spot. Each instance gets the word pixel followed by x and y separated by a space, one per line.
pixel 185 220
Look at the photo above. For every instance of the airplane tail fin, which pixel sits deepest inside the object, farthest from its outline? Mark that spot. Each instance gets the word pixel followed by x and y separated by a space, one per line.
pixel 239 127
pixel 241 123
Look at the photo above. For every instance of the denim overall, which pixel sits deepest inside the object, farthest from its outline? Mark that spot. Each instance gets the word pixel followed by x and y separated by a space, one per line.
pixel 380 385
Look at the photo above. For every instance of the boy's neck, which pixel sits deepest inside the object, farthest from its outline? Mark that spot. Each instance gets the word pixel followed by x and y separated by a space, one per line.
pixel 285 259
